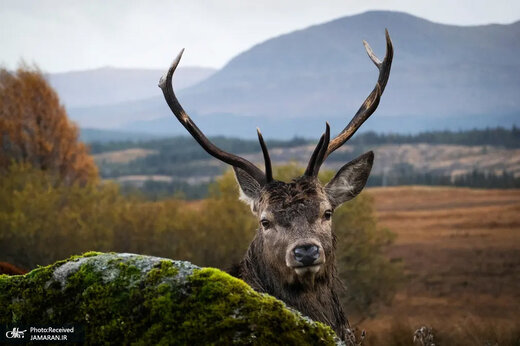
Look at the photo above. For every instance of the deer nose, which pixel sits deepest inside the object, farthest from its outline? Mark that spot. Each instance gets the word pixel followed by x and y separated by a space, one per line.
pixel 306 254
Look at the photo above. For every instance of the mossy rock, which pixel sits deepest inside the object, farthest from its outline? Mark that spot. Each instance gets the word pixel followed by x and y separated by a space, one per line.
pixel 126 298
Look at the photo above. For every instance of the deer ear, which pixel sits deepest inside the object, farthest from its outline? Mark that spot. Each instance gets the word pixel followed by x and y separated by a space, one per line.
pixel 249 187
pixel 350 179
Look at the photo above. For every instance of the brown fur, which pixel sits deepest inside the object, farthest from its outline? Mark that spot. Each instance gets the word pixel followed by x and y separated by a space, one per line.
pixel 9 269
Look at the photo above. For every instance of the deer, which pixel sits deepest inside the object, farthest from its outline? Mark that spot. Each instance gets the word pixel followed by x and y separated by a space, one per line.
pixel 292 255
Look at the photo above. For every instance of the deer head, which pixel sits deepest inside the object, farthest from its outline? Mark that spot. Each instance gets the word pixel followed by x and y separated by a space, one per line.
pixel 295 240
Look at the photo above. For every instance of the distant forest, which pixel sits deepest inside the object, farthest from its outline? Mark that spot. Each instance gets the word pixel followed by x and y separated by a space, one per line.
pixel 474 179
pixel 178 156
pixel 501 137
pixel 186 147
pixel 182 157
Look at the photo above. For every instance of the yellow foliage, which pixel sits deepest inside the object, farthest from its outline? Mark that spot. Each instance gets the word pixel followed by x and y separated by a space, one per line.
pixel 41 222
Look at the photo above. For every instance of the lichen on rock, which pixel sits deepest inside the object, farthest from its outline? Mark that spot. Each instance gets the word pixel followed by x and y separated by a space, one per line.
pixel 126 298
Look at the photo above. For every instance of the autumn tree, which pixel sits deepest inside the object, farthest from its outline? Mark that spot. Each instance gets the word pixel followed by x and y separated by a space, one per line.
pixel 35 130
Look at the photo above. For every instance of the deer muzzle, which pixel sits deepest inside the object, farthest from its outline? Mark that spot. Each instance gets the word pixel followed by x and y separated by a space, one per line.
pixel 305 257
pixel 306 254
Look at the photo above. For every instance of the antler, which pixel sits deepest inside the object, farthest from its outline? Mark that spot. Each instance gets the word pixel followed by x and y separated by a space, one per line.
pixel 318 155
pixel 165 83
pixel 267 159
pixel 372 101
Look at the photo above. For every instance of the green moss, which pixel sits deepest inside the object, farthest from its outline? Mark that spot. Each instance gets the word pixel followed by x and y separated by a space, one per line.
pixel 227 307
pixel 146 300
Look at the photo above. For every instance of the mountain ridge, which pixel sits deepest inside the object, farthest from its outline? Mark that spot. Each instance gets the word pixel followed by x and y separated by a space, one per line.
pixel 111 85
pixel 350 61
pixel 443 77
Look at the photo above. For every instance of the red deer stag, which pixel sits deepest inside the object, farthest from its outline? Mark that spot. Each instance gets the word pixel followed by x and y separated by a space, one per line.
pixel 292 254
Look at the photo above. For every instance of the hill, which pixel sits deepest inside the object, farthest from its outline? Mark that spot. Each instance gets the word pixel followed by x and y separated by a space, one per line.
pixel 93 98
pixel 111 85
pixel 479 158
pixel 88 135
pixel 438 70
pixel 443 76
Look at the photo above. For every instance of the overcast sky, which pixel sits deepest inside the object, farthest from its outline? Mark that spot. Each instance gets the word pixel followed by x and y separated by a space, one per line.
pixel 75 35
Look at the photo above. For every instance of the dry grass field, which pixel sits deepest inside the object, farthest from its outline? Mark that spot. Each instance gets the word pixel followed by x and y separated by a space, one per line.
pixel 461 253
pixel 122 156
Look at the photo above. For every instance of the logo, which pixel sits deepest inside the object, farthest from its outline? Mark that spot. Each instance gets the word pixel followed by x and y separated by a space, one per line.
pixel 67 332
pixel 15 334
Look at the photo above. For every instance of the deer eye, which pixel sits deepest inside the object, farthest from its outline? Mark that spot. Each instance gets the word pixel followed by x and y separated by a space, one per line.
pixel 328 214
pixel 265 223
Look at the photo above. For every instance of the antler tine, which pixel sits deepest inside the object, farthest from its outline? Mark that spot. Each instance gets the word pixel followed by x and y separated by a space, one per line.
pixel 372 101
pixel 323 150
pixel 267 159
pixel 165 83
pixel 310 166
pixel 318 155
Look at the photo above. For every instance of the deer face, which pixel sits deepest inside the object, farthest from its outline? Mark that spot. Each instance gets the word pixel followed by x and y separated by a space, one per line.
pixel 295 219
pixel 295 227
